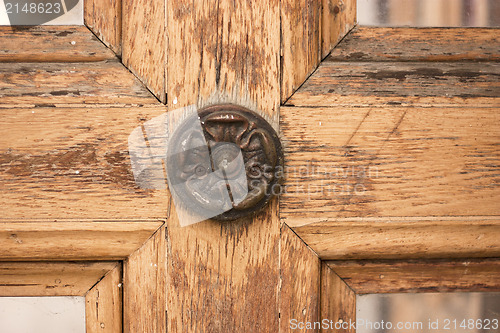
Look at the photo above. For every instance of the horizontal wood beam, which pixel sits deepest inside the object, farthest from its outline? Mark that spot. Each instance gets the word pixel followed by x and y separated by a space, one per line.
pixel 400 237
pixel 73 239
pixel 74 163
pixel 386 84
pixel 390 276
pixel 51 44
pixel 418 44
pixel 50 278
pixel 389 162
pixel 104 83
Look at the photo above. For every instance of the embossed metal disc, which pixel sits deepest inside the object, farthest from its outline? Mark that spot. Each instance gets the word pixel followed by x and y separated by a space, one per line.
pixel 225 163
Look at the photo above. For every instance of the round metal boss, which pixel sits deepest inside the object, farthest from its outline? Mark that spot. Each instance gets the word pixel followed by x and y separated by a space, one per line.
pixel 225 162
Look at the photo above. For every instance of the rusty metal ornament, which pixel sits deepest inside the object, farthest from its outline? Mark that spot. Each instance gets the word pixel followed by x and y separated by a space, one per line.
pixel 225 162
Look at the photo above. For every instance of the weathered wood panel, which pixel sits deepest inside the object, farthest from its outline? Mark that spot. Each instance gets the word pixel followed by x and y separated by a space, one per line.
pixel 300 43
pixel 51 44
pixel 73 239
pixel 224 51
pixel 300 283
pixel 103 304
pixel 338 302
pixel 373 182
pixel 72 163
pixel 75 84
pixel 402 237
pixel 371 277
pixel 144 308
pixel 144 42
pixel 50 278
pixel 419 44
pixel 401 83
pixel 357 162
pixel 104 18
pixel 338 18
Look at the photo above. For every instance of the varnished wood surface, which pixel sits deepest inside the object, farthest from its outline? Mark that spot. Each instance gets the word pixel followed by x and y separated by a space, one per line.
pixel 374 162
pixel 103 304
pixel 106 83
pixel 419 44
pixel 300 42
pixel 73 163
pixel 104 18
pixel 468 275
pixel 50 278
pixel 300 282
pixel 387 84
pixel 144 41
pixel 219 52
pixel 73 239
pixel 338 301
pixel 51 44
pixel 403 237
pixel 338 18
pixel 235 57
pixel 145 287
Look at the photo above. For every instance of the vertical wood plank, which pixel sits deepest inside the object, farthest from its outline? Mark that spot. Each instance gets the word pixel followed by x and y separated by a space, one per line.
pixel 300 283
pixel 300 43
pixel 144 41
pixel 224 50
pixel 144 307
pixel 104 18
pixel 338 301
pixel 103 304
pixel 224 277
pixel 339 17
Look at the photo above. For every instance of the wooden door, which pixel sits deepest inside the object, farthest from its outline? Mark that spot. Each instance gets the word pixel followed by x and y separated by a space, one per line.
pixel 391 151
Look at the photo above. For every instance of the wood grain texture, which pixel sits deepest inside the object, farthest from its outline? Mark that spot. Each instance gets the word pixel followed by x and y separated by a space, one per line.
pixel 50 278
pixel 403 237
pixel 104 18
pixel 103 304
pixel 338 302
pixel 73 240
pixel 72 163
pixel 372 277
pixel 234 57
pixel 144 42
pixel 75 84
pixel 300 43
pixel 219 52
pixel 373 182
pixel 375 162
pixel 401 83
pixel 144 308
pixel 51 44
pixel 300 283
pixel 213 266
pixel 419 44
pixel 338 18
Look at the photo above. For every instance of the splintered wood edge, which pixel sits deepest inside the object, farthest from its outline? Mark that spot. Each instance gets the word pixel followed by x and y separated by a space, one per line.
pixel 50 278
pixel 403 237
pixel 73 240
pixel 395 276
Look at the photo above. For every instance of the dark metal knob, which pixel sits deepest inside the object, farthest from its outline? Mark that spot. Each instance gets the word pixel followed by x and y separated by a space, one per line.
pixel 225 162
